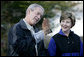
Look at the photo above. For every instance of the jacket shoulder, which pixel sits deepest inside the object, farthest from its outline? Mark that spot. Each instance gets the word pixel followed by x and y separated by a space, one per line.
pixel 56 36
pixel 75 36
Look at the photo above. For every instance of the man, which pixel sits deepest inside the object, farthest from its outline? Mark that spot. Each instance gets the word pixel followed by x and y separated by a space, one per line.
pixel 23 39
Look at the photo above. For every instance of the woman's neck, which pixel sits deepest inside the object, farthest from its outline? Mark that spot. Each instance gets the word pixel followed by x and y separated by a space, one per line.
pixel 66 33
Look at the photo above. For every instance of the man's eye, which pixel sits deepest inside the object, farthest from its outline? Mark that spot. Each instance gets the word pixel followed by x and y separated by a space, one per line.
pixel 38 13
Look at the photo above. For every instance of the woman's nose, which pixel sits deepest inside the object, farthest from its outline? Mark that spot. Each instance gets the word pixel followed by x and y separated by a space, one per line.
pixel 64 23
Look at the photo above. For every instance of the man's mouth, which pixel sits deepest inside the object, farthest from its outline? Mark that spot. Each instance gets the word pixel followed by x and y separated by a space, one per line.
pixel 36 19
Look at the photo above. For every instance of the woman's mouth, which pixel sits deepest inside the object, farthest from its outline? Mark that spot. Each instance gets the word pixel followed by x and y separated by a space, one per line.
pixel 64 27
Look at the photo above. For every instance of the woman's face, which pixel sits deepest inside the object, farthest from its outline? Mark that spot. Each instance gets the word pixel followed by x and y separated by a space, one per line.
pixel 66 25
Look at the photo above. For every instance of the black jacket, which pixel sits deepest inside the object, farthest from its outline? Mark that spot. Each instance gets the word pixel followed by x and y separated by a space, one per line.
pixel 21 42
pixel 70 44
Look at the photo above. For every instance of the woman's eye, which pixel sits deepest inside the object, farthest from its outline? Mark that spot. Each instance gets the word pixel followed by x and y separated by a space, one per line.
pixel 62 21
pixel 67 22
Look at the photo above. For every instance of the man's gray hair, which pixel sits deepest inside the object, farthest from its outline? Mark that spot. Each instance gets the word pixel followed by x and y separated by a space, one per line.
pixel 33 6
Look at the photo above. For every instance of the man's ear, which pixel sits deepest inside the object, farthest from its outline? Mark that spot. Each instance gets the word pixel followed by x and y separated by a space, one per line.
pixel 29 11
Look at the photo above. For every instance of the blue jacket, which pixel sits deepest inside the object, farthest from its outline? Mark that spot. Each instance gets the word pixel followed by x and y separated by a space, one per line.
pixel 52 48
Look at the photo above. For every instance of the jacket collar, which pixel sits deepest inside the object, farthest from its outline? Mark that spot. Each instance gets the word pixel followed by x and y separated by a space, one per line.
pixel 28 25
pixel 22 23
pixel 61 32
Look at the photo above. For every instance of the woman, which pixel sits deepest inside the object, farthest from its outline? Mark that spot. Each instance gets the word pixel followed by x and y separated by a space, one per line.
pixel 66 42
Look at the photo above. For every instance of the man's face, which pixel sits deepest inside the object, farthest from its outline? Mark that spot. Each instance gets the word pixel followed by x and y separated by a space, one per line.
pixel 35 15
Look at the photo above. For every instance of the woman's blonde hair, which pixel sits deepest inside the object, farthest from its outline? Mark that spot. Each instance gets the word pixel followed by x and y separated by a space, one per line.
pixel 66 15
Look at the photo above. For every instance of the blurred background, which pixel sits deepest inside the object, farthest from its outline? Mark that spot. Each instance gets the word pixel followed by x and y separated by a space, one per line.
pixel 13 11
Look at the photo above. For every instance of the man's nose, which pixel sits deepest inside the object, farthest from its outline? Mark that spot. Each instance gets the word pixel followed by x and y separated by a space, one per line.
pixel 39 16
